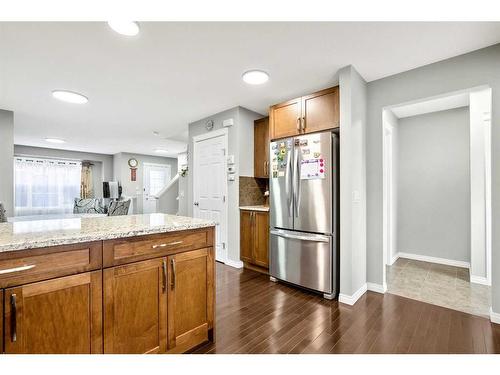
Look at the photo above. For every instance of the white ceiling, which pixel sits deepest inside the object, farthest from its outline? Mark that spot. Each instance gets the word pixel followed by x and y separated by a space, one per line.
pixel 176 73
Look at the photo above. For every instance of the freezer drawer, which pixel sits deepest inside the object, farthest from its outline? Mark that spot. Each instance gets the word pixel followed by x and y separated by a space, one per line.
pixel 302 258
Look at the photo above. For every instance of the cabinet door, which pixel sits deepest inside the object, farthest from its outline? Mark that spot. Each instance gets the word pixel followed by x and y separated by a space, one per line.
pixel 246 235
pixel 320 110
pixel 1 321
pixel 135 308
pixel 59 316
pixel 190 299
pixel 261 148
pixel 261 239
pixel 284 119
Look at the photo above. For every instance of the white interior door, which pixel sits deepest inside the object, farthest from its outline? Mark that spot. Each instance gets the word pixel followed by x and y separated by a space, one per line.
pixel 210 187
pixel 155 178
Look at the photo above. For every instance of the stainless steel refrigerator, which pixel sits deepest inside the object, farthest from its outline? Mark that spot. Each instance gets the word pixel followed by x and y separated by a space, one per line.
pixel 304 174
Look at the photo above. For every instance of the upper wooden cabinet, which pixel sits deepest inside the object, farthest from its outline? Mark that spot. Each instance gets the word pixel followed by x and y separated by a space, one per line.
pixel 135 308
pixel 59 316
pixel 261 148
pixel 191 292
pixel 307 114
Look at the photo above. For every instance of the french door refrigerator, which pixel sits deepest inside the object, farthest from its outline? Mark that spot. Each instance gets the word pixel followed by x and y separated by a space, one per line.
pixel 304 174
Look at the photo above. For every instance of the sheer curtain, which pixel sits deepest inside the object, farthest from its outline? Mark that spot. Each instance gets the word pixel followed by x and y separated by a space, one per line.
pixel 43 186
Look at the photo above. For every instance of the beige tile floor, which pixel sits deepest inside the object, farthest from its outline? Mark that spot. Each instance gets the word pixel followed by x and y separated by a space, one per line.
pixel 438 284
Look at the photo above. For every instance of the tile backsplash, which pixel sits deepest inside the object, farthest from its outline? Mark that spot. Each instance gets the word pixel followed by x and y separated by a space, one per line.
pixel 252 191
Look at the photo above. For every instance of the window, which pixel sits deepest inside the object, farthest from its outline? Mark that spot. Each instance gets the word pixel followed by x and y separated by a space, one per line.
pixel 43 186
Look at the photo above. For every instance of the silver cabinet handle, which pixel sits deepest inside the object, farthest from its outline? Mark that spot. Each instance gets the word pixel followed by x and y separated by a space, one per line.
pixel 172 262
pixel 17 269
pixel 13 318
pixel 314 238
pixel 166 244
pixel 303 121
pixel 164 269
pixel 298 124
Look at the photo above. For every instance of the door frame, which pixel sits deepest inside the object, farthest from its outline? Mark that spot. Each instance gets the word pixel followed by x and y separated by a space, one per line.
pixel 196 140
pixel 144 168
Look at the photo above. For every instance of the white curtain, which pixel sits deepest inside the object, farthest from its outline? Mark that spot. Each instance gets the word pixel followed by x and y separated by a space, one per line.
pixel 45 186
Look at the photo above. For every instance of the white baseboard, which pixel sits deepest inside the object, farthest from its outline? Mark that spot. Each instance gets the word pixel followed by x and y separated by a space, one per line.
pixel 479 280
pixel 425 258
pixel 351 300
pixel 235 264
pixel 393 259
pixel 494 317
pixel 378 288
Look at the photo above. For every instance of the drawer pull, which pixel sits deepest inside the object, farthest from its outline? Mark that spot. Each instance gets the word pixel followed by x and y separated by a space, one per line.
pixel 166 244
pixel 13 318
pixel 17 269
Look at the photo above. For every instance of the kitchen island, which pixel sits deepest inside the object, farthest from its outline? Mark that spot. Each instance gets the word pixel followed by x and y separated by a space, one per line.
pixel 122 284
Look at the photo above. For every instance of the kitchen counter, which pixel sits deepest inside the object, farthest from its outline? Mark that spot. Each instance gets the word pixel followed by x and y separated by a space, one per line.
pixel 255 208
pixel 24 235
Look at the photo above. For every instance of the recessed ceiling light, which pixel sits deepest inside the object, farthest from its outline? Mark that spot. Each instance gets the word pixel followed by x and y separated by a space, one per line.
pixel 161 151
pixel 70 96
pixel 55 140
pixel 128 28
pixel 255 77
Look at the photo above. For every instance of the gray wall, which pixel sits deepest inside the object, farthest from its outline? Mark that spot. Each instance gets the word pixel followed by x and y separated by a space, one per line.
pixel 102 170
pixel 134 189
pixel 353 181
pixel 240 144
pixel 7 161
pixel 474 69
pixel 433 216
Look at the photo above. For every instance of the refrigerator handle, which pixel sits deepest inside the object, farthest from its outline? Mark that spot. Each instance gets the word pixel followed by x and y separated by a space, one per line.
pixel 289 182
pixel 312 237
pixel 296 187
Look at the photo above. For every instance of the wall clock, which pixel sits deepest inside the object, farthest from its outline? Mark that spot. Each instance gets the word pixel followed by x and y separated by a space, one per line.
pixel 209 125
pixel 133 163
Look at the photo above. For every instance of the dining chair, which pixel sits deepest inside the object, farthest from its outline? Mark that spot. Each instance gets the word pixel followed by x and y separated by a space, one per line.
pixel 117 208
pixel 88 206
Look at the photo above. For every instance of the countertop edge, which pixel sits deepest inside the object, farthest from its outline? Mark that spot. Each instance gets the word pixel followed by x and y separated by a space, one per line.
pixel 99 237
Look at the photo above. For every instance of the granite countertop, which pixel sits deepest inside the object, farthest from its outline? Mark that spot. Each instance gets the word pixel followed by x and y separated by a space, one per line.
pixel 255 208
pixel 23 235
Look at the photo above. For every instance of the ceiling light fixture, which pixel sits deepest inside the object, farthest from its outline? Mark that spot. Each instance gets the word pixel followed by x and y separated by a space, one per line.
pixel 127 28
pixel 255 77
pixel 55 140
pixel 70 96
pixel 161 151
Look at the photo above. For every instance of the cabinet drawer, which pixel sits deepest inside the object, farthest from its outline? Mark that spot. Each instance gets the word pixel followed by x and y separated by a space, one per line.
pixel 127 250
pixel 17 268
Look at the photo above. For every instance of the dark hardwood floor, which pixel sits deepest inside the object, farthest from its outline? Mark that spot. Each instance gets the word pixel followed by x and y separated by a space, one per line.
pixel 255 315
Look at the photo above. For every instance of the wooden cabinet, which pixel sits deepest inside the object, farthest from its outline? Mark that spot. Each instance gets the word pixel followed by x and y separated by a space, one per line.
pixel 135 308
pixel 58 316
pixel 254 238
pixel 153 294
pixel 261 148
pixel 307 114
pixel 191 299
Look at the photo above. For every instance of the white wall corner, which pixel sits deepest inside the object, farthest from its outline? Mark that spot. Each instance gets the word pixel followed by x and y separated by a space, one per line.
pixel 480 280
pixel 351 300
pixel 393 259
pixel 377 288
pixel 494 317
pixel 234 263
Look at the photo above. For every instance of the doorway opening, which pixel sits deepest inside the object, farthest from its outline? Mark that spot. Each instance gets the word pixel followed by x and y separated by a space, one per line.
pixel 437 200
pixel 155 177
pixel 210 185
